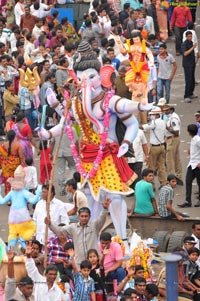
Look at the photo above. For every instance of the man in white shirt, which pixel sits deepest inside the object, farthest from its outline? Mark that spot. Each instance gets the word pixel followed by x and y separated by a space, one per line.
pixel 190 27
pixel 38 28
pixel 140 149
pixel 19 11
pixel 157 140
pixel 45 287
pixel 193 169
pixel 58 213
pixel 40 10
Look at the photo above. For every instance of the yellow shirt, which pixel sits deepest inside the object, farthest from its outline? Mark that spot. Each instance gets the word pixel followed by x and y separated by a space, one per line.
pixel 10 100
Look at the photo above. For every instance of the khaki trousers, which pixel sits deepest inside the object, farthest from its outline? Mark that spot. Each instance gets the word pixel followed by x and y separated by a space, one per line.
pixel 157 162
pixel 173 160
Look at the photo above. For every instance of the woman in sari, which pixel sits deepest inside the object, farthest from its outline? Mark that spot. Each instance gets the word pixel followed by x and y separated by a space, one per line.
pixel 11 156
pixel 69 31
pixel 24 135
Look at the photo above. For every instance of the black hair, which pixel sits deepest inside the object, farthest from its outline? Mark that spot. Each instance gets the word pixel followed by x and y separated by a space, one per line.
pixel 84 209
pixel 86 264
pixel 151 37
pixel 36 7
pixel 190 25
pixel 73 183
pixel 130 291
pixel 63 61
pixel 163 45
pixel 193 250
pixel 50 75
pixel 188 33
pixel 95 3
pixel 63 41
pixel 46 186
pixel 8 83
pixel 29 36
pixel 64 20
pixel 36 242
pixel 19 43
pixel 68 48
pixel 138 268
pixel 17 31
pixel 29 161
pixel 110 49
pixel 106 59
pixel 2 45
pixel 146 172
pixel 55 13
pixel 88 23
pixel 68 246
pixel 126 6
pixel 92 251
pixel 104 42
pixel 25 280
pixel 192 129
pixel 111 43
pixel 50 25
pixel 140 280
pixel 152 289
pixel 194 224
pixel 171 177
pixel 189 238
pixel 51 267
pixel 3 57
pixel 10 137
pixel 94 19
pixel 77 176
pixel 43 144
pixel 106 236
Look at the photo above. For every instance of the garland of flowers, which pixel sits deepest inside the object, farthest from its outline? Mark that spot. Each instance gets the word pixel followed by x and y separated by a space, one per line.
pixel 104 135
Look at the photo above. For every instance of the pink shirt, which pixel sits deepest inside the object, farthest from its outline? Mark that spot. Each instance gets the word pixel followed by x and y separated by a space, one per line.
pixel 113 256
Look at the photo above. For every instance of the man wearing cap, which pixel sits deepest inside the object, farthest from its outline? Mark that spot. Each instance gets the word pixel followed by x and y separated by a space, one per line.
pixel 188 243
pixel 157 140
pixel 173 125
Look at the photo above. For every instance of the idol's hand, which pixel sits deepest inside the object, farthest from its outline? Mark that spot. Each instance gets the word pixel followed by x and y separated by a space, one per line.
pixel 122 150
pixel 146 107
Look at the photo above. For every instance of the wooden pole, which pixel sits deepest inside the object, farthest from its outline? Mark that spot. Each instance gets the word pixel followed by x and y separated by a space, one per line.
pixel 50 187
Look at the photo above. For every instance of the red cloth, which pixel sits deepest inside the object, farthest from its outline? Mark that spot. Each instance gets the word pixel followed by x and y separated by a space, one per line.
pixel 26 131
pixel 89 153
pixel 43 175
pixel 181 16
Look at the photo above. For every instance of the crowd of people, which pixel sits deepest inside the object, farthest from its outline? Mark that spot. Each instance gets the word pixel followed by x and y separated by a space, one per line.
pixel 83 263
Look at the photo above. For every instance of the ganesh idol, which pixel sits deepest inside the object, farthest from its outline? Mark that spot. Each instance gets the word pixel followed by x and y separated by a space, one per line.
pixel 100 159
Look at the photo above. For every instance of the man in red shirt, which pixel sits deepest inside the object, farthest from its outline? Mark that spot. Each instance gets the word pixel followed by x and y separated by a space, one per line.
pixel 27 20
pixel 57 39
pixel 180 17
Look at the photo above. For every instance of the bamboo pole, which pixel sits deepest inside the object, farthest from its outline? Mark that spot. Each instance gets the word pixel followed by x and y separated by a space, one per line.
pixel 50 187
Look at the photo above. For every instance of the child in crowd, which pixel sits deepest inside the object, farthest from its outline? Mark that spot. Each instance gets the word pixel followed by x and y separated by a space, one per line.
pixel 97 272
pixel 45 161
pixel 31 181
pixel 83 283
pixel 190 266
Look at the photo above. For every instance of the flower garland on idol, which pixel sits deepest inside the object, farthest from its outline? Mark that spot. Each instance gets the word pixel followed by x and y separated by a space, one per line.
pixel 104 136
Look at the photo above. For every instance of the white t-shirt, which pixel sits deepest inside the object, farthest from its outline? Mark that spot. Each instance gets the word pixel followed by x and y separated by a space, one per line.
pixel 137 147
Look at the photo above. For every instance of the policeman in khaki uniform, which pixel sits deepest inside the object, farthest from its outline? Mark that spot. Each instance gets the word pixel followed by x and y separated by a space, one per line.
pixel 157 129
pixel 173 125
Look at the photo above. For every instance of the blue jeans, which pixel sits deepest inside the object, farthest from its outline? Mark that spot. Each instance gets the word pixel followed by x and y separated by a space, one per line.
pixel 161 83
pixel 118 274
